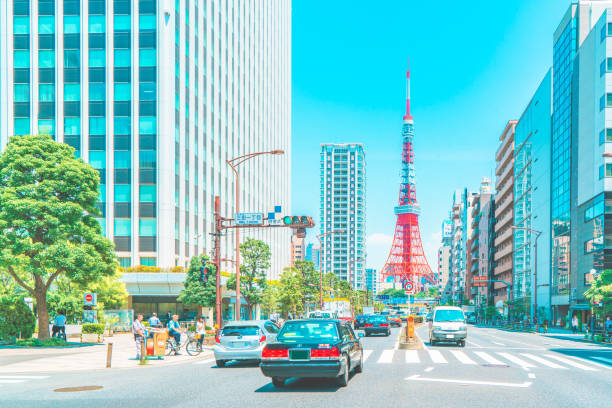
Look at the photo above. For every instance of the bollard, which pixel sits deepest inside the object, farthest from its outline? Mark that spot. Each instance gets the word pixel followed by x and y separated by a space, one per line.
pixel 109 355
pixel 143 351
pixel 410 328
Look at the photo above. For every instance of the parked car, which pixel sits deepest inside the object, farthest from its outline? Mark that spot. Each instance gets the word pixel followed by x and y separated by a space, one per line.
pixel 359 322
pixel 448 325
pixel 395 320
pixel 471 318
pixel 326 348
pixel 377 324
pixel 243 340
pixel 322 314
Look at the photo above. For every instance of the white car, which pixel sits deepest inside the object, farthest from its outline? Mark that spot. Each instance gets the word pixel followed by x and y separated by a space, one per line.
pixel 448 325
pixel 243 340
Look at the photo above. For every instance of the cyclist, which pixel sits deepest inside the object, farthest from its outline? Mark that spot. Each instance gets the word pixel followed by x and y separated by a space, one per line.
pixel 174 331
pixel 59 325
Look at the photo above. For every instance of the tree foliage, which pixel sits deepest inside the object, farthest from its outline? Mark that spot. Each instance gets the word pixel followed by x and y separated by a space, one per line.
pixel 601 291
pixel 196 291
pixel 270 299
pixel 16 318
pixel 47 226
pixel 291 291
pixel 394 292
pixel 255 262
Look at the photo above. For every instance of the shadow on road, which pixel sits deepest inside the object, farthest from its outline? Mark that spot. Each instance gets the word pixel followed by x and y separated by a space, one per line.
pixel 239 364
pixel 304 385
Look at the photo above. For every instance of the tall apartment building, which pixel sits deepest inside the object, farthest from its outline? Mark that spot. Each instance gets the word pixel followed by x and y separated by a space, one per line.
pixel 480 253
pixel 343 210
pixel 313 254
pixel 444 260
pixel 532 187
pixel 157 95
pixel 372 280
pixel 504 214
pixel 298 248
pixel 461 219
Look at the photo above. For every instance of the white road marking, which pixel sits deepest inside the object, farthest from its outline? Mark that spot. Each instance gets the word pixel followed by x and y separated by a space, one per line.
pixel 516 360
pixel 461 356
pixel 412 357
pixel 531 375
pixel 366 354
pixel 499 344
pixel 584 360
pixel 570 362
pixel 542 361
pixel 207 361
pixel 607 360
pixel 437 357
pixel 386 357
pixel 27 377
pixel 473 344
pixel 488 358
pixel 11 381
pixel 428 369
pixel 501 384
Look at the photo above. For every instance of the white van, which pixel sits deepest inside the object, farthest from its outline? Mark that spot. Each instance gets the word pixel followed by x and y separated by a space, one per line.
pixel 448 325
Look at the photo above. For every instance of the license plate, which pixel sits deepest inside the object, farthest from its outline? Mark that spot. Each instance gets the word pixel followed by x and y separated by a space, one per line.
pixel 449 336
pixel 299 354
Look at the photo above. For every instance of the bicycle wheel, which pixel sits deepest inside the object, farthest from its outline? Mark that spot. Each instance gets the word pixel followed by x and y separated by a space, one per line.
pixel 169 347
pixel 193 348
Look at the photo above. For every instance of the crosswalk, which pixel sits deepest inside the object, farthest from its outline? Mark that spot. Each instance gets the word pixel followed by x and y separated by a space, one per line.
pixel 524 360
pixel 15 379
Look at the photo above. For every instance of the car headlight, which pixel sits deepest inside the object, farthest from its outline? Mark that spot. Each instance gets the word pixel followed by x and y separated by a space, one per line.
pixel 437 327
pixel 463 328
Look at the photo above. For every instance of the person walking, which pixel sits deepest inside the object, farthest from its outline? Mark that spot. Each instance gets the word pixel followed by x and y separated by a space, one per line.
pixel 201 329
pixel 608 326
pixel 139 334
pixel 154 321
pixel 575 324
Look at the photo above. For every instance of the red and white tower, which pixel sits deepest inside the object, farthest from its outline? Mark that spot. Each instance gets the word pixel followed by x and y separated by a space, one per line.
pixel 406 261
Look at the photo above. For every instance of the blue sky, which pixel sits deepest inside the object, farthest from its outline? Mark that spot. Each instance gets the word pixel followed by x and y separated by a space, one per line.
pixel 474 65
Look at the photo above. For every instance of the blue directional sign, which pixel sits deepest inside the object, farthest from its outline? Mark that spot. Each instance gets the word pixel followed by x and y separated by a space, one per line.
pixel 248 218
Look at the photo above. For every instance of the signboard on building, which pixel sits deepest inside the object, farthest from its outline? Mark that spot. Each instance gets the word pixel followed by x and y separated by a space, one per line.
pixel 447 229
pixel 479 281
pixel 248 218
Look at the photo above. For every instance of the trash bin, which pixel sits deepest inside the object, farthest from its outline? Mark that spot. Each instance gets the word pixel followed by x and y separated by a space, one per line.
pixel 159 343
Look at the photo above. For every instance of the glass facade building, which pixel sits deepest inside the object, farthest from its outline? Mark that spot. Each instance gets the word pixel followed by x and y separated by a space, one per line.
pixel 343 209
pixel 157 96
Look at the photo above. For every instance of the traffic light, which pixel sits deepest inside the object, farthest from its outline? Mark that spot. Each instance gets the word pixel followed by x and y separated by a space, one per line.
pixel 295 221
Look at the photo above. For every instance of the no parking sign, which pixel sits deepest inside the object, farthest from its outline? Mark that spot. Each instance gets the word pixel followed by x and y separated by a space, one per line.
pixel 408 287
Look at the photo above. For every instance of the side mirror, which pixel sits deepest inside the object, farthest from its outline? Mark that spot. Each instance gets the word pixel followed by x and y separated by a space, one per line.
pixel 360 334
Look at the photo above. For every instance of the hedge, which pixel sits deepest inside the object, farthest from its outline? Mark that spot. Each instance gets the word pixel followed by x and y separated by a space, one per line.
pixel 16 319
pixel 93 328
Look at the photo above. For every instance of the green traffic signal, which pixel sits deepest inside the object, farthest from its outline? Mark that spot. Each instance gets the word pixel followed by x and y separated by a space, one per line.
pixel 287 220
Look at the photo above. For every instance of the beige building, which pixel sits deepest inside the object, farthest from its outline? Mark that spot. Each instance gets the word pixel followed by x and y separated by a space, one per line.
pixel 504 213
pixel 298 248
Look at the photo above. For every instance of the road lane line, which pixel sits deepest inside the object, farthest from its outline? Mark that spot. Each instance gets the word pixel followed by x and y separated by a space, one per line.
pixel 412 357
pixel 501 384
pixel 473 344
pixel 531 375
pixel 584 360
pixel 11 381
pixel 570 362
pixel 207 361
pixel 437 357
pixel 29 377
pixel 428 369
pixel 499 344
pixel 542 361
pixel 386 357
pixel 489 358
pixel 366 354
pixel 461 356
pixel 516 360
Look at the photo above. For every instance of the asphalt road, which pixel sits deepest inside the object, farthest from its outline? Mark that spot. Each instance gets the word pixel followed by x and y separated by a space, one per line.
pixel 495 369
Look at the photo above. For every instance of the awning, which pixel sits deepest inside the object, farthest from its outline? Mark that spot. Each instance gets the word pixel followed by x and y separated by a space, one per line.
pixel 580 306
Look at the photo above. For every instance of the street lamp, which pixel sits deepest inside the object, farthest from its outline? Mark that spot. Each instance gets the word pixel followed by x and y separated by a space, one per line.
pixel 234 163
pixel 535 275
pixel 321 262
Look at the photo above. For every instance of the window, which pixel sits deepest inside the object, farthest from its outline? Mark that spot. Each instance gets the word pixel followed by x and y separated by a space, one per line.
pixel 22 92
pixel 123 125
pixel 97 92
pixel 46 24
pixel 97 159
pixel 147 194
pixel 122 58
pixel 72 25
pixel 147 125
pixel 122 22
pixel 608 99
pixel 123 159
pixel 122 91
pixel 72 58
pixel 46 93
pixel 148 227
pixel 46 127
pixel 608 169
pixel 22 126
pixel 97 24
pixel 21 25
pixel 97 58
pixel 148 261
pixel 72 126
pixel 146 22
pixel 97 126
pixel 609 28
pixel 147 91
pixel 148 159
pixel 125 262
pixel 72 92
pixel 46 59
pixel 123 193
pixel 593 245
pixel 123 227
pixel 147 58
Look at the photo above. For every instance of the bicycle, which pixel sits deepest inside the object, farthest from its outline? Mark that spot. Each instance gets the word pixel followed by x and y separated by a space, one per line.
pixel 59 332
pixel 191 344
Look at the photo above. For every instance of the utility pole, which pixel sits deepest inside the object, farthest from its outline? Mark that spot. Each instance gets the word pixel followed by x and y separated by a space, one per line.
pixel 217 235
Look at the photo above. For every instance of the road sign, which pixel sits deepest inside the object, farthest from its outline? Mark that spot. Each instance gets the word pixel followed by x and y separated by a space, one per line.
pixel 90 299
pixel 409 287
pixel 248 218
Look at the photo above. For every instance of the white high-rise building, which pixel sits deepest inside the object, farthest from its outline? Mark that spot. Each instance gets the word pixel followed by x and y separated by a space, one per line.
pixel 157 95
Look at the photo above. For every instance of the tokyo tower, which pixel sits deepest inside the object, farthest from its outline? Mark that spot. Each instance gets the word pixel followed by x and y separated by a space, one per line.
pixel 406 262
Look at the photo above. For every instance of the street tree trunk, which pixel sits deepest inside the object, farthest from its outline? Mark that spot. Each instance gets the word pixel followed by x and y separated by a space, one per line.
pixel 40 292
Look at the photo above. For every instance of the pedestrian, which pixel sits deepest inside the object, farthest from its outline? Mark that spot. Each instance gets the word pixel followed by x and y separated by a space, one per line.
pixel 575 324
pixel 154 321
pixel 59 324
pixel 139 334
pixel 608 326
pixel 174 331
pixel 201 329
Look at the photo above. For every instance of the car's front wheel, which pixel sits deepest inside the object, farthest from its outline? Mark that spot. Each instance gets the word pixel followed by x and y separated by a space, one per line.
pixel 220 363
pixel 462 343
pixel 343 380
pixel 278 382
pixel 359 368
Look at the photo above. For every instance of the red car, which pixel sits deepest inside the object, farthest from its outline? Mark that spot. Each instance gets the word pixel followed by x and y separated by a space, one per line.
pixel 395 321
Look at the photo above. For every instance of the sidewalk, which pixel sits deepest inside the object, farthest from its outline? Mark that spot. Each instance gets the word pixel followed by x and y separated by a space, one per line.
pixel 89 357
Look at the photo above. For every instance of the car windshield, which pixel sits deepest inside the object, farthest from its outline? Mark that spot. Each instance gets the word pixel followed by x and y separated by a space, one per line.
pixel 449 316
pixel 377 319
pixel 308 330
pixel 240 331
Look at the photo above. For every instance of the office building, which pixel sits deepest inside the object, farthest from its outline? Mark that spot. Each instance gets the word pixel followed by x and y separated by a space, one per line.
pixel 298 249
pixel 372 280
pixel 157 95
pixel 444 260
pixel 313 254
pixel 504 215
pixel 343 211
pixel 461 220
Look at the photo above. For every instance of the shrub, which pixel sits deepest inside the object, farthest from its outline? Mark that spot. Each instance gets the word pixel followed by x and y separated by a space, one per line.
pixel 16 319
pixel 93 328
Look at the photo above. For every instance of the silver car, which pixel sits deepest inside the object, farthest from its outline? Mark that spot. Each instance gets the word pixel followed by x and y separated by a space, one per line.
pixel 243 340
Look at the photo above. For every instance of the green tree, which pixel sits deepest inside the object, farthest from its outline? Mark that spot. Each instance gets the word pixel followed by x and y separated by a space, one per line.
pixel 601 291
pixel 394 292
pixel 255 262
pixel 310 282
pixel 195 291
pixel 291 294
pixel 269 299
pixel 47 226
pixel 16 318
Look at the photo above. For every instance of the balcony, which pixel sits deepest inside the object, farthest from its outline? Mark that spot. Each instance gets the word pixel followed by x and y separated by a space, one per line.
pixel 503 268
pixel 503 206
pixel 509 169
pixel 504 222
pixel 502 253
pixel 507 187
pixel 507 235
pixel 508 137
